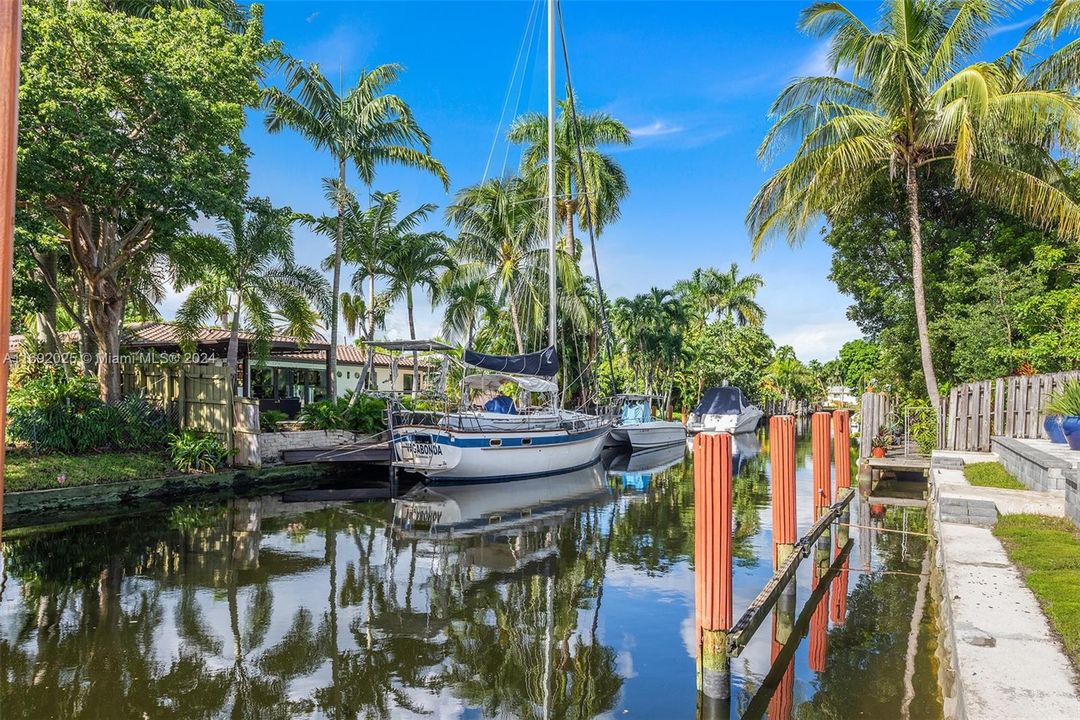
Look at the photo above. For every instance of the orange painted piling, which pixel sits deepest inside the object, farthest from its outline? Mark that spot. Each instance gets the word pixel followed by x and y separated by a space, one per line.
pixel 841 427
pixel 819 622
pixel 782 464
pixel 821 439
pixel 781 703
pixel 10 19
pixel 713 506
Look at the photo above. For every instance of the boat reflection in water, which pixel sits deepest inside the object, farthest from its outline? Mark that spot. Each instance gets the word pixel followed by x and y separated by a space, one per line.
pixel 481 508
pixel 635 470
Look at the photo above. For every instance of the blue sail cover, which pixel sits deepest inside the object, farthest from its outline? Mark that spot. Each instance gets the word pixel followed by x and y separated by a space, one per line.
pixel 544 363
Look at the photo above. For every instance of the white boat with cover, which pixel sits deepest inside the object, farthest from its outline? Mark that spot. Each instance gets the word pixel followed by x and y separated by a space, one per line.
pixel 724 409
pixel 637 428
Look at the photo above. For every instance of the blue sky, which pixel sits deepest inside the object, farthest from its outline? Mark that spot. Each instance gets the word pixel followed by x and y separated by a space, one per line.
pixel 693 80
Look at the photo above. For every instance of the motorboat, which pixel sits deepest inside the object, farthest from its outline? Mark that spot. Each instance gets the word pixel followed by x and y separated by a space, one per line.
pixel 636 427
pixel 724 409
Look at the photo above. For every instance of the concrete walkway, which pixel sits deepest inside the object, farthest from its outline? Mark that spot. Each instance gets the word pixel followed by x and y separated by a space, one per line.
pixel 1008 664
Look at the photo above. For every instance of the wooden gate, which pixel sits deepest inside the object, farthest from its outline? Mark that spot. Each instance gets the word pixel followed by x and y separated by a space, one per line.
pixel 196 397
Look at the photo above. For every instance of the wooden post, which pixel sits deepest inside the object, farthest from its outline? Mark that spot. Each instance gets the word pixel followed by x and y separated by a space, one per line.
pixel 838 611
pixel 820 436
pixel 713 508
pixel 782 469
pixel 10 35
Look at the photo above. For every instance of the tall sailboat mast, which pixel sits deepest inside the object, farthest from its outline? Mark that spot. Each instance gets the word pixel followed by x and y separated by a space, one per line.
pixel 552 335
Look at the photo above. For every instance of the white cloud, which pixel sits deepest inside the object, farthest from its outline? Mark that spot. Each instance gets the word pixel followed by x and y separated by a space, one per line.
pixel 656 128
pixel 818 341
pixel 1009 27
pixel 817 63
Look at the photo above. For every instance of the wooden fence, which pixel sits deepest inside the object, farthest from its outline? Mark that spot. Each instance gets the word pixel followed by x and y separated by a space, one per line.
pixel 197 397
pixel 875 412
pixel 1012 406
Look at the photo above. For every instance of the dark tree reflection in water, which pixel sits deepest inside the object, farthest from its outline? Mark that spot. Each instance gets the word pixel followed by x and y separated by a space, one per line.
pixel 257 608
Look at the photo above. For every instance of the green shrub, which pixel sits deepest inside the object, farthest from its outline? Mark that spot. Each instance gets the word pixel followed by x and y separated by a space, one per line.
pixel 270 420
pixel 58 412
pixel 924 430
pixel 367 416
pixel 195 452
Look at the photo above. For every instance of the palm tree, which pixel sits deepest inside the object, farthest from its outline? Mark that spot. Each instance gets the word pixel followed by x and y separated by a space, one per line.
pixel 244 276
pixel 728 294
pixel 417 260
pixel 603 179
pixel 499 241
pixel 365 125
pixel 466 300
pixel 353 311
pixel 911 109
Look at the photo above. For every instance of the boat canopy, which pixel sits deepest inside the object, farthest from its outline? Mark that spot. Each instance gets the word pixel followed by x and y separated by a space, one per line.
pixel 544 363
pixel 492 381
pixel 410 345
pixel 721 401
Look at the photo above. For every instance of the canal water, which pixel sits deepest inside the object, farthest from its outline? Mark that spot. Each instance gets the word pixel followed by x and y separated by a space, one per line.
pixel 566 598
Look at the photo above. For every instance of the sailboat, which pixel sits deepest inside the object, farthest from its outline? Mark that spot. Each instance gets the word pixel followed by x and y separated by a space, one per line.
pixel 493 439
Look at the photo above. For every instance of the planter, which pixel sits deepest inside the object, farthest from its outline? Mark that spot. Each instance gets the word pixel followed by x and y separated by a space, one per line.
pixel 877 452
pixel 1054 431
pixel 1071 425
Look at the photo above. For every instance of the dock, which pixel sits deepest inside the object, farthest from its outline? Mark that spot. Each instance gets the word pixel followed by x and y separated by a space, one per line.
pixel 372 453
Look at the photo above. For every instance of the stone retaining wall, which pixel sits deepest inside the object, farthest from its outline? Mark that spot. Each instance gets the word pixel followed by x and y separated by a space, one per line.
pixel 272 444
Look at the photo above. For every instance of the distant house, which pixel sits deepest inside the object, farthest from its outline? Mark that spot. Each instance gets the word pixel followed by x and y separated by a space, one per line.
pixel 839 396
pixel 293 374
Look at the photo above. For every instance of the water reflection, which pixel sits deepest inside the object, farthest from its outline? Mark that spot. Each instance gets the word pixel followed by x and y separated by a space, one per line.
pixel 566 599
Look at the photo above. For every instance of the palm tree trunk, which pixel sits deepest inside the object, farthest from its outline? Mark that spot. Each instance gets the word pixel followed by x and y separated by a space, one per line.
pixel 911 185
pixel 412 336
pixel 516 322
pixel 335 297
pixel 232 357
pixel 570 244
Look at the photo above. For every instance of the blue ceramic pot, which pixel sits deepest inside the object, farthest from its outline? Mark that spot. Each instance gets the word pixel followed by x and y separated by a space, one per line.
pixel 1054 431
pixel 1071 425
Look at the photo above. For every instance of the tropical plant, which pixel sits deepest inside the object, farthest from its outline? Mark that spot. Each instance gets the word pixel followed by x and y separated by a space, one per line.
pixel 467 302
pixel 603 178
pixel 196 452
pixel 245 275
pixel 367 126
pixel 913 109
pixel 729 295
pixel 1065 400
pixel 417 260
pixel 499 241
pixel 366 415
pixel 60 412
pixel 270 420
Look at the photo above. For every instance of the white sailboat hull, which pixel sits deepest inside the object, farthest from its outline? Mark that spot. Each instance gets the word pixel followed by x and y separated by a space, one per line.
pixel 455 456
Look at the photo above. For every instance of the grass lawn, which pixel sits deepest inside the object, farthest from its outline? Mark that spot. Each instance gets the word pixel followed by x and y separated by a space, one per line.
pixel 26 471
pixel 1047 551
pixel 991 474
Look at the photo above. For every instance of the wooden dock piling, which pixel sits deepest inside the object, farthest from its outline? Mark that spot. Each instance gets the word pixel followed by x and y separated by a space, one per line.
pixel 712 563
pixel 782 701
pixel 821 440
pixel 782 469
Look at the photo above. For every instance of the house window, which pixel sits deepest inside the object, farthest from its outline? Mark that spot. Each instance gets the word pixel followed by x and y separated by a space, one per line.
pixel 262 382
pixel 406 383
